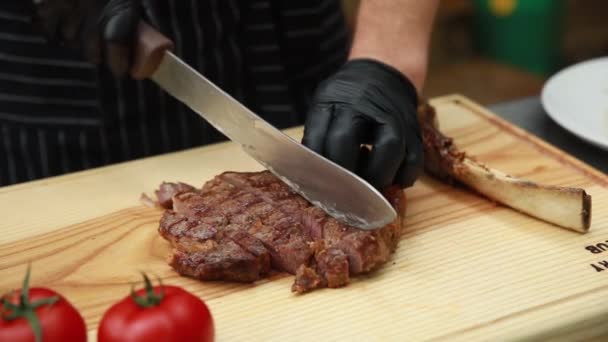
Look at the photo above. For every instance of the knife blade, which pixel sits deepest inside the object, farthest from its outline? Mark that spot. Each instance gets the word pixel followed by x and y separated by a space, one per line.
pixel 339 192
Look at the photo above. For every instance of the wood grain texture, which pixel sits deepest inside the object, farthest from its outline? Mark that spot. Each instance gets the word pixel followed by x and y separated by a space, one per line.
pixel 466 269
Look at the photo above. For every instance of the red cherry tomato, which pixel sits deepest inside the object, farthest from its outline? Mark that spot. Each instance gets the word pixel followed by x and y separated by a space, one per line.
pixel 39 314
pixel 159 313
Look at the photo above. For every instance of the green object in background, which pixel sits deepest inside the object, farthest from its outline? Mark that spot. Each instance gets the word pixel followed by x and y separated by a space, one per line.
pixel 524 33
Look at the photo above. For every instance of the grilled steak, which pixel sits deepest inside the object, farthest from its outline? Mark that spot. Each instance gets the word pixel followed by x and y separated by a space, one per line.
pixel 239 226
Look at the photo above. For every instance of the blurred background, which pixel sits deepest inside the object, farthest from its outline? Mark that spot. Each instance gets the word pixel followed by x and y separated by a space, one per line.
pixel 498 50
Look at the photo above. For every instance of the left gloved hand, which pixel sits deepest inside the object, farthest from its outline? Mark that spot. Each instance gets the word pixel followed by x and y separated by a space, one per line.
pixel 368 102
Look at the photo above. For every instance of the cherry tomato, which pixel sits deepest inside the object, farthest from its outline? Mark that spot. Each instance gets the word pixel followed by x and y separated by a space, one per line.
pixel 39 314
pixel 159 313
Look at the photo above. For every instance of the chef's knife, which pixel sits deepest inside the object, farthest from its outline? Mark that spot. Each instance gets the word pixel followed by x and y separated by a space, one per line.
pixel 339 192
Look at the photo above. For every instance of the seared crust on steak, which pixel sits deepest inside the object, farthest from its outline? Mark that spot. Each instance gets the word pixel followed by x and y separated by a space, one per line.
pixel 239 226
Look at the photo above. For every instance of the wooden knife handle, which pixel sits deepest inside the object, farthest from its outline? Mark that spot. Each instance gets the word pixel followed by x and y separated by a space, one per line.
pixel 150 46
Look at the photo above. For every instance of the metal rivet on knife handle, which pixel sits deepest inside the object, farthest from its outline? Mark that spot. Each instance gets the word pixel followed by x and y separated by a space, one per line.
pixel 149 50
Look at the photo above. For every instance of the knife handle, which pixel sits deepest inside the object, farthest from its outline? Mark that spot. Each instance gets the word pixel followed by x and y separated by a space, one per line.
pixel 150 46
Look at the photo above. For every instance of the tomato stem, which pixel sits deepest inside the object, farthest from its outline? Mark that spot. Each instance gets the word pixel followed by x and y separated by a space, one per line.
pixel 25 289
pixel 25 309
pixel 150 298
pixel 32 319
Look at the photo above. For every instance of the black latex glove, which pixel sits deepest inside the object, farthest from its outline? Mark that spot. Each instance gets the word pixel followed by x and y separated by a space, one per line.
pixel 368 103
pixel 103 30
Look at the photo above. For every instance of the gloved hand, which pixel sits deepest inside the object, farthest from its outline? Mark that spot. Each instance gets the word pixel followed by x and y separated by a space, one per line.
pixel 103 30
pixel 368 103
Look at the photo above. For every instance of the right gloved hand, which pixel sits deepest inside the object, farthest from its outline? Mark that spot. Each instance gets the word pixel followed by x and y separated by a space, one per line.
pixel 367 102
pixel 103 30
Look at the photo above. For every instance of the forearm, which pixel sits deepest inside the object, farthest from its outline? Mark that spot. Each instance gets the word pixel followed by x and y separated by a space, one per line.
pixel 396 32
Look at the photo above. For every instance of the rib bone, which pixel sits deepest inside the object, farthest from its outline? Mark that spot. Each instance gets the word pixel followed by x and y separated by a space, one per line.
pixel 563 206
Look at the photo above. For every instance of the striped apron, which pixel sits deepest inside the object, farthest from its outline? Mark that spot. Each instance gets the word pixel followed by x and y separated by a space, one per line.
pixel 60 114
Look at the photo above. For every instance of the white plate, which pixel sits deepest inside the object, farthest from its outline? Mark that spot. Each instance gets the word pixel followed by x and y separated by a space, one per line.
pixel 577 99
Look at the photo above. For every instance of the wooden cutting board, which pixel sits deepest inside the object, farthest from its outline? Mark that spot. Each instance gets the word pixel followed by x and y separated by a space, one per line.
pixel 466 269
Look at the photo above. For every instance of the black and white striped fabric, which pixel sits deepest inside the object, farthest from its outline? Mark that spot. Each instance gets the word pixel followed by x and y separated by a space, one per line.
pixel 60 114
